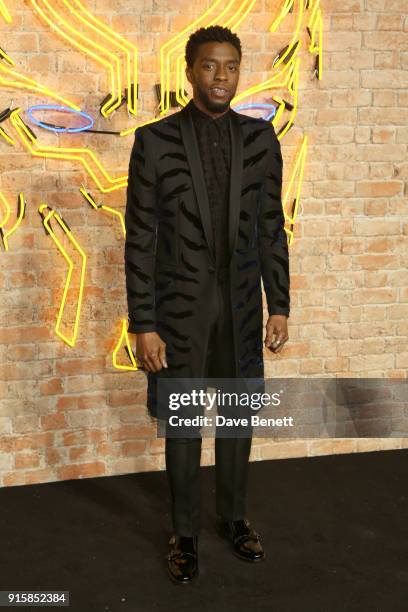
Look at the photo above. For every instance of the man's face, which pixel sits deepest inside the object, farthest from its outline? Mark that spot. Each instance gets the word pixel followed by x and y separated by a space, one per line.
pixel 215 76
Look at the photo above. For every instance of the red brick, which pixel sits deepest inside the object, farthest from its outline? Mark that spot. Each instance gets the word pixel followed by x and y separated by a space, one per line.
pixel 53 386
pixel 73 438
pixel 54 421
pixel 81 470
pixel 26 460
pixel 38 440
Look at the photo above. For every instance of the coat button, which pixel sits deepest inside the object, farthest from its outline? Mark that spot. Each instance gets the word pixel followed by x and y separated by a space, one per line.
pixel 211 270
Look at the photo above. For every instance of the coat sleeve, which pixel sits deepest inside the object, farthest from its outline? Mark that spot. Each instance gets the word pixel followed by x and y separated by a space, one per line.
pixel 273 245
pixel 140 243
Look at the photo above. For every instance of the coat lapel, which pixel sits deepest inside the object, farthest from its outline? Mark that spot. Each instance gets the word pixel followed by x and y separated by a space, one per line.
pixel 235 180
pixel 194 160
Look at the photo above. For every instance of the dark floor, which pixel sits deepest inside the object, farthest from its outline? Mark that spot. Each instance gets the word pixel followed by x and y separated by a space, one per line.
pixel 335 530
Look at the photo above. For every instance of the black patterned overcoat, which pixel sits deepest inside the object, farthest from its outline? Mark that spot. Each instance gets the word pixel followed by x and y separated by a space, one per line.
pixel 170 266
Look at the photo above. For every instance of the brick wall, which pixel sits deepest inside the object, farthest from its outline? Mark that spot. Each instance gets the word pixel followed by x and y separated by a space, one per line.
pixel 66 412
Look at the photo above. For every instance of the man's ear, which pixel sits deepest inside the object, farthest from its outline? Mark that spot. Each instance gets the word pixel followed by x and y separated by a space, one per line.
pixel 189 76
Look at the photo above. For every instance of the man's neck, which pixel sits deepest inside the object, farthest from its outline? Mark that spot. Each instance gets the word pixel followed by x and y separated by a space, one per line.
pixel 203 109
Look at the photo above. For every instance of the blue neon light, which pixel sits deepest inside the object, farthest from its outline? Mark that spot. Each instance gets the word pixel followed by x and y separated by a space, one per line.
pixel 63 109
pixel 260 105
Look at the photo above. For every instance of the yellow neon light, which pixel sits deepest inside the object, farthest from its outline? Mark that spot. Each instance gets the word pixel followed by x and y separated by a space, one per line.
pixel 297 174
pixel 124 333
pixel 288 77
pixel 294 40
pixel 133 129
pixel 31 85
pixel 4 12
pixel 180 64
pixel 293 89
pixel 281 79
pixel 103 207
pixel 282 14
pixel 6 57
pixel 119 214
pixel 279 110
pixel 13 228
pixel 233 22
pixel 77 154
pixel 116 97
pixel 316 25
pixel 115 38
pixel 6 136
pixel 70 341
pixel 88 197
pixel 124 337
pixel 8 209
pixel 314 5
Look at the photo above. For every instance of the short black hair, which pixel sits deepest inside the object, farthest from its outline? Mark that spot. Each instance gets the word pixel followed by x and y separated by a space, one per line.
pixel 214 33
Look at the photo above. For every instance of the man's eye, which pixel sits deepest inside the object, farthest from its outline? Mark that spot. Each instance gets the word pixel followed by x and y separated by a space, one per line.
pixel 209 66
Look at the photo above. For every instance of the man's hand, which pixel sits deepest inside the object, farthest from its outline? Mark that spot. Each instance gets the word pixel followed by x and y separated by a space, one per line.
pixel 276 332
pixel 151 351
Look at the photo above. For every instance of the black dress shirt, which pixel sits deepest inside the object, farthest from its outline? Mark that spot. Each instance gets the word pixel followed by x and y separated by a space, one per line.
pixel 214 144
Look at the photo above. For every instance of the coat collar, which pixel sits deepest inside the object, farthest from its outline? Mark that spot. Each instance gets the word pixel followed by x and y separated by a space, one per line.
pixel 202 117
pixel 194 161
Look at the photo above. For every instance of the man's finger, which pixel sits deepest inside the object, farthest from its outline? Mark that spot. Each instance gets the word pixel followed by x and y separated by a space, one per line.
pixel 277 346
pixel 154 361
pixel 162 355
pixel 269 337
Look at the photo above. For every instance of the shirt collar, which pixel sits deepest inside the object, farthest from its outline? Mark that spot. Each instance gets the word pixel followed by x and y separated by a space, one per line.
pixel 203 117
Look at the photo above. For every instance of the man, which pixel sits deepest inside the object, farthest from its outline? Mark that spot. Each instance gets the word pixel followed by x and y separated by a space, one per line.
pixel 204 223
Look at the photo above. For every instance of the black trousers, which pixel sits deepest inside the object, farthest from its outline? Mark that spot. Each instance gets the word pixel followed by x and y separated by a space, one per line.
pixel 231 454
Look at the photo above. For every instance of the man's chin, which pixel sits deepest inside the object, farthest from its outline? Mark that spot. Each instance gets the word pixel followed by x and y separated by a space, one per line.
pixel 215 106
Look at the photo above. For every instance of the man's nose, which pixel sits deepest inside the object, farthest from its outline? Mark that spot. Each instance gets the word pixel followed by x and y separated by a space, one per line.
pixel 221 74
